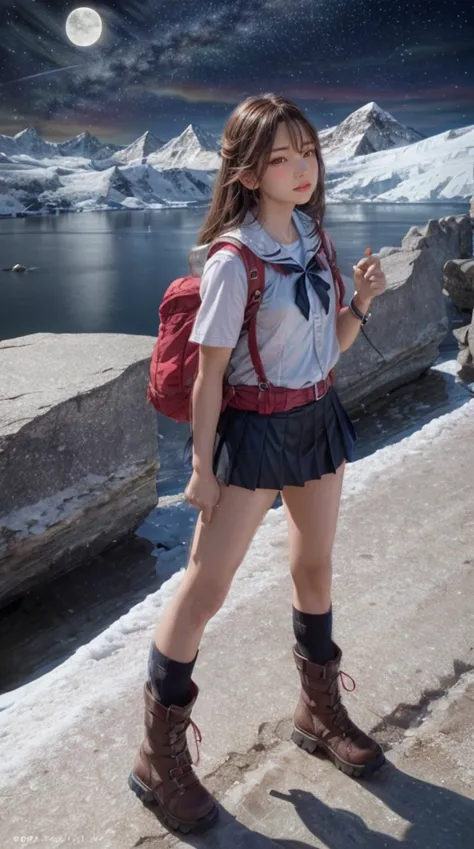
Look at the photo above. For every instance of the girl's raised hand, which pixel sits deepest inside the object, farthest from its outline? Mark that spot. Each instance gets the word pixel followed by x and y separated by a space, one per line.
pixel 203 492
pixel 369 279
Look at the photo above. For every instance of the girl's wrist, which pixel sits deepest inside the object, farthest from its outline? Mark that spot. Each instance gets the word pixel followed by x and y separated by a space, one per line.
pixel 362 304
pixel 204 470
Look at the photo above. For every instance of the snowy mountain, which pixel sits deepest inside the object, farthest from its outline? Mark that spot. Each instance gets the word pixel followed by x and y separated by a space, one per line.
pixel 400 167
pixel 368 130
pixel 194 148
pixel 139 150
pixel 30 142
pixel 7 145
pixel 132 186
pixel 436 169
pixel 85 146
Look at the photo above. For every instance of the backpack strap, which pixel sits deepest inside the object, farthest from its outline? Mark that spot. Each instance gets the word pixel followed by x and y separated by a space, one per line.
pixel 330 251
pixel 255 268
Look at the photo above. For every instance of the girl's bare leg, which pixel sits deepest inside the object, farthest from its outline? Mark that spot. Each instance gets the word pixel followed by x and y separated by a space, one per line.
pixel 217 551
pixel 312 512
pixel 320 723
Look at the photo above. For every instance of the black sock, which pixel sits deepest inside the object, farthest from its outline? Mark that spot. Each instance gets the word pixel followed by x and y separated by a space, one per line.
pixel 313 632
pixel 170 680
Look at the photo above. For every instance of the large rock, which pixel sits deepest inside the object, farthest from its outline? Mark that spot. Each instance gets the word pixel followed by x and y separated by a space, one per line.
pixel 78 450
pixel 459 282
pixel 409 321
pixel 446 238
pixel 465 339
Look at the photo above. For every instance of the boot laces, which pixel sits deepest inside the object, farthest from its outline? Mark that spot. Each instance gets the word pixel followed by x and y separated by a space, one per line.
pixel 343 675
pixel 180 731
pixel 197 741
pixel 341 717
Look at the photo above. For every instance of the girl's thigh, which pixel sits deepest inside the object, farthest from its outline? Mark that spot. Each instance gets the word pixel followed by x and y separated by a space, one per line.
pixel 311 513
pixel 219 546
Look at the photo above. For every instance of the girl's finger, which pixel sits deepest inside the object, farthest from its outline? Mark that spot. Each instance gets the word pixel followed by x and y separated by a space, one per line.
pixel 371 270
pixel 206 514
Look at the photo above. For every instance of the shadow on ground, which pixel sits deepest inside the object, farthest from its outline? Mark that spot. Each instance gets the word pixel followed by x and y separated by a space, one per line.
pixel 436 818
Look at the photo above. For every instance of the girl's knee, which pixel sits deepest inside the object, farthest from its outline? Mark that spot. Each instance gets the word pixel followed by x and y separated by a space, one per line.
pixel 204 598
pixel 314 572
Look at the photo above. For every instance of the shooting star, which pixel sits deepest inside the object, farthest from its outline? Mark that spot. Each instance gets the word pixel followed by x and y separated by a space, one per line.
pixel 42 74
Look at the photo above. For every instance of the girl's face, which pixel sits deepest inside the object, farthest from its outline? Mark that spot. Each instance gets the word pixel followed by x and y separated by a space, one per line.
pixel 291 176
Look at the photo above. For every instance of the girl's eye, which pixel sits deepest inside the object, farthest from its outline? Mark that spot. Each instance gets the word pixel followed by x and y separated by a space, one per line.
pixel 311 152
pixel 277 160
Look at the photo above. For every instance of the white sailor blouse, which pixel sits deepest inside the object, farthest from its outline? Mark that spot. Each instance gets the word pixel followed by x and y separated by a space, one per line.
pixel 296 320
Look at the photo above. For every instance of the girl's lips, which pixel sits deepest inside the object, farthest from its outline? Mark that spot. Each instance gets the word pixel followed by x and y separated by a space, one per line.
pixel 303 188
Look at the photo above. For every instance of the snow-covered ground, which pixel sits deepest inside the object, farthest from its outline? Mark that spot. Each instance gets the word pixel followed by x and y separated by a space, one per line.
pixel 369 157
pixel 106 667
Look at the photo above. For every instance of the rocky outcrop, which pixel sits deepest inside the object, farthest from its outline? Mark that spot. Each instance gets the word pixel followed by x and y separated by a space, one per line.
pixel 459 282
pixel 465 339
pixel 409 321
pixel 78 450
pixel 446 238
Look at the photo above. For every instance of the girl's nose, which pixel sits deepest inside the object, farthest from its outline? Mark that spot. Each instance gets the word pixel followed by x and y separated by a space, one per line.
pixel 301 166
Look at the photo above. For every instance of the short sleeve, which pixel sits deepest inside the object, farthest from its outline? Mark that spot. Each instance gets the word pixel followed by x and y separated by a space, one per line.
pixel 224 292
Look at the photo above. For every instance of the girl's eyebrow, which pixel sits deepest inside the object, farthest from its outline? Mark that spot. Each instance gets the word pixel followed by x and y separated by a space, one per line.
pixel 305 144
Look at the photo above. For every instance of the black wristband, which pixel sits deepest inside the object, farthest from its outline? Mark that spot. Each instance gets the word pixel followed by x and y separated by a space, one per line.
pixel 363 317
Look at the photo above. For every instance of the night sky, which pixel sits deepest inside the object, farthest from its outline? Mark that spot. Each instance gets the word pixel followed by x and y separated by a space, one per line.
pixel 161 64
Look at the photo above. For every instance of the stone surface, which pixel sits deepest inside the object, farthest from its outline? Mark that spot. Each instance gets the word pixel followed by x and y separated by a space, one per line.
pixel 403 589
pixel 77 450
pixel 445 238
pixel 461 335
pixel 409 321
pixel 465 339
pixel 459 282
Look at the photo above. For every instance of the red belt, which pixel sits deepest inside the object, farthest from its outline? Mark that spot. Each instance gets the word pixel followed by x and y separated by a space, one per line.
pixel 266 399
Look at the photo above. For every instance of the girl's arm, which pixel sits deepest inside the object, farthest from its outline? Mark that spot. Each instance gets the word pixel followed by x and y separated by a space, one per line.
pixel 207 403
pixel 369 282
pixel 348 325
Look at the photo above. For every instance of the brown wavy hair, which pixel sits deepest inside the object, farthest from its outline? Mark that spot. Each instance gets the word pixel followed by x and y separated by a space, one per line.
pixel 247 143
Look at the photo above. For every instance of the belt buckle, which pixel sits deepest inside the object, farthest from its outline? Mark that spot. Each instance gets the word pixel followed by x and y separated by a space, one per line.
pixel 321 389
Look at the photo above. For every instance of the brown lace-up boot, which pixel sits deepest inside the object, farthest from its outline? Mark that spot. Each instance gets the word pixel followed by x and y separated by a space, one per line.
pixel 163 770
pixel 321 720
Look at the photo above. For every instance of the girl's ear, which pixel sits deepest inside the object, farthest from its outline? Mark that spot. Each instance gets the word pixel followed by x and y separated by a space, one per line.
pixel 249 181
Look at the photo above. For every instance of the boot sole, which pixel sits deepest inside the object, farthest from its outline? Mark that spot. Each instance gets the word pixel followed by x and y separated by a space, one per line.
pixel 148 798
pixel 311 744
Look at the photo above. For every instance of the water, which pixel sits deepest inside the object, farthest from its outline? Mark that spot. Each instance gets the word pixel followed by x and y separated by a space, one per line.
pixel 106 272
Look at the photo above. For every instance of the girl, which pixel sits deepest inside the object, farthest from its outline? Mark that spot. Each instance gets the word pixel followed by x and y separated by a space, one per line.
pixel 269 197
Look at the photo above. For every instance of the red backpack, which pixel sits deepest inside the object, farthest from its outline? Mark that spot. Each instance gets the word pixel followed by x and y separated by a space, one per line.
pixel 174 361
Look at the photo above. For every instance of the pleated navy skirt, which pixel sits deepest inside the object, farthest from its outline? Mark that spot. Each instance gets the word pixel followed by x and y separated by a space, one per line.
pixel 258 451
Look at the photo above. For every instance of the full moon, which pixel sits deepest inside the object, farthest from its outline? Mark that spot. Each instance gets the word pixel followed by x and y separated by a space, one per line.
pixel 84 26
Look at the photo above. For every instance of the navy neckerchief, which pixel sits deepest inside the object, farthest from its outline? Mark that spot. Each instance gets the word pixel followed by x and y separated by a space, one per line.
pixel 320 286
